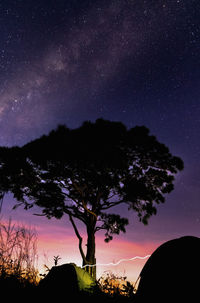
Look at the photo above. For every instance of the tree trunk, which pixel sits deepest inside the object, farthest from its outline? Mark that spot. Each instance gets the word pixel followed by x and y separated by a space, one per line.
pixel 89 258
pixel 90 254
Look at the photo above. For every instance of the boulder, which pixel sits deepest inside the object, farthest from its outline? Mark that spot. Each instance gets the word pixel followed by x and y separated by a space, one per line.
pixel 172 272
pixel 66 278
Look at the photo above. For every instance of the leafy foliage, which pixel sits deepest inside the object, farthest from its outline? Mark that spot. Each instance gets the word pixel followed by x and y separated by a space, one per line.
pixel 86 171
pixel 116 285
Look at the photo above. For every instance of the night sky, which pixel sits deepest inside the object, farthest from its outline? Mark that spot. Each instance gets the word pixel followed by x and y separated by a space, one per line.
pixel 134 61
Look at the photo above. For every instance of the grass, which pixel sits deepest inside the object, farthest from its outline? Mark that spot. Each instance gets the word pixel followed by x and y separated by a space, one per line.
pixel 19 287
pixel 20 279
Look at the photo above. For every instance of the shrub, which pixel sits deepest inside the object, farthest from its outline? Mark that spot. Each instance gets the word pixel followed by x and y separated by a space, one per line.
pixel 18 253
pixel 116 285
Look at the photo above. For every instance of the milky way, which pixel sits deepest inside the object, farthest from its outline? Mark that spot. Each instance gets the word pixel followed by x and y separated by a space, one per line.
pixel 66 62
pixel 135 61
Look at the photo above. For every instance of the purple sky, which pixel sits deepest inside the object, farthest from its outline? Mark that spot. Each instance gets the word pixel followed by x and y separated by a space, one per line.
pixel 64 62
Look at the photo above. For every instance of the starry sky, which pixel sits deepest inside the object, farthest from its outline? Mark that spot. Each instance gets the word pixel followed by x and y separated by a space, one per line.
pixel 134 61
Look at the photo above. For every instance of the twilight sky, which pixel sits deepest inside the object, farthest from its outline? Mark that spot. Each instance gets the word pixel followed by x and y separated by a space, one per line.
pixel 135 61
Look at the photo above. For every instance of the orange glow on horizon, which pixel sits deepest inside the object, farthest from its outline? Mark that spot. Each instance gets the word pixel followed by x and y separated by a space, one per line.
pixel 67 248
pixel 55 239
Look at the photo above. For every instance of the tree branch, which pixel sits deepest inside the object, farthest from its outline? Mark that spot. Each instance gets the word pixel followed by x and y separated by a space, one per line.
pixel 40 215
pixel 79 238
pixel 111 196
pixel 88 210
pixel 99 228
pixel 1 200
pixel 111 204
pixel 80 191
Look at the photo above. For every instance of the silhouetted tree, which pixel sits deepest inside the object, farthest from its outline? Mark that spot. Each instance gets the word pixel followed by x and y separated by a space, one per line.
pixel 86 171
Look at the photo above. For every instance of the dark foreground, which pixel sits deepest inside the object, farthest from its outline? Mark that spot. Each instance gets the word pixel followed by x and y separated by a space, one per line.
pixel 171 274
pixel 12 289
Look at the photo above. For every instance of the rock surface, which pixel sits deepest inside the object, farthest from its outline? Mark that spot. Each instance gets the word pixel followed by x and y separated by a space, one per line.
pixel 66 278
pixel 171 272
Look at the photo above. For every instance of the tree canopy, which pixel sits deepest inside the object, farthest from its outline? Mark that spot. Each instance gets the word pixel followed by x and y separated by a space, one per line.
pixel 83 172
